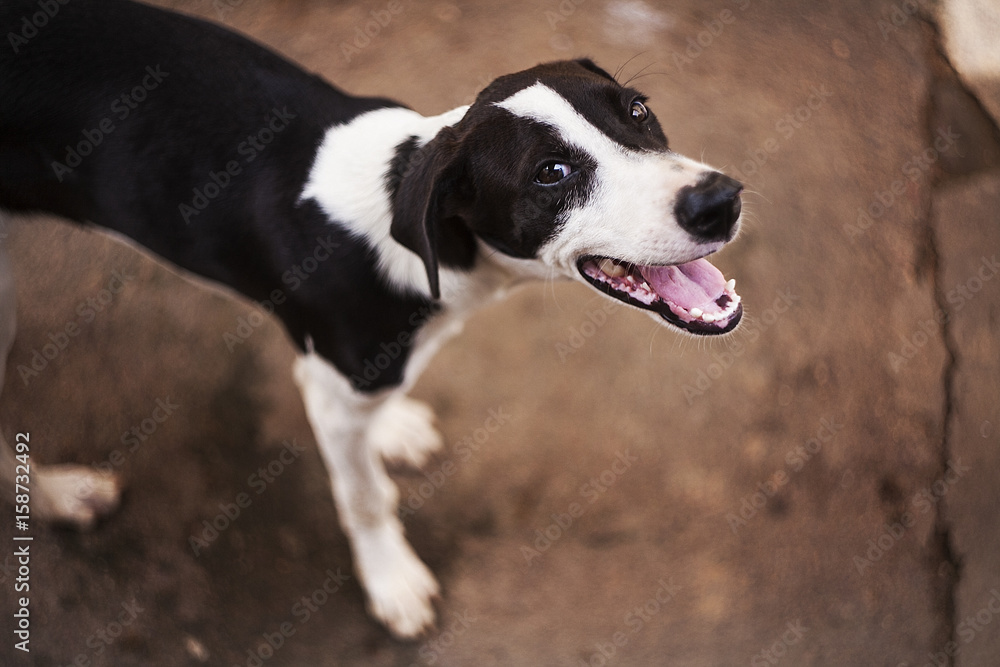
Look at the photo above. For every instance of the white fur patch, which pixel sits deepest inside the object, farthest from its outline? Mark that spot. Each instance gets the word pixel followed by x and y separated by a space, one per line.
pixel 398 586
pixel 403 431
pixel 348 181
pixel 629 215
pixel 74 494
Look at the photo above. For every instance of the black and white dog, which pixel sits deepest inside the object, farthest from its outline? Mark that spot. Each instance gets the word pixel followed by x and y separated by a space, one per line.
pixel 229 162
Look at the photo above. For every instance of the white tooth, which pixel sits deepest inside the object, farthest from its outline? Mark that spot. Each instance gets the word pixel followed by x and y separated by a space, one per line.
pixel 709 317
pixel 731 285
pixel 696 312
pixel 612 269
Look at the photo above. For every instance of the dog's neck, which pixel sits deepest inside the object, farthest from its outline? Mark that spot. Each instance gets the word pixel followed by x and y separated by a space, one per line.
pixel 349 180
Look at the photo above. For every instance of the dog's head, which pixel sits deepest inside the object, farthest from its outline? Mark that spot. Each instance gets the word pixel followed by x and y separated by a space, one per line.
pixel 563 168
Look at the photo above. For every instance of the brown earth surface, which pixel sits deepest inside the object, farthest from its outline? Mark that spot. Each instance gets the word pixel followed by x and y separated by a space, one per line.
pixel 817 489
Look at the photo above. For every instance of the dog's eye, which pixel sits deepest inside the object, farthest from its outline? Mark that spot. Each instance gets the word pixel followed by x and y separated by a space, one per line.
pixel 638 111
pixel 552 173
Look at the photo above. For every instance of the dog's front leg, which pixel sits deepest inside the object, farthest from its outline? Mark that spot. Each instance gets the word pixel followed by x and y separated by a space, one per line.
pixel 399 587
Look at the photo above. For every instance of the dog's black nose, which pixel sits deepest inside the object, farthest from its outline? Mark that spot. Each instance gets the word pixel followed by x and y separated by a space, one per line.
pixel 709 210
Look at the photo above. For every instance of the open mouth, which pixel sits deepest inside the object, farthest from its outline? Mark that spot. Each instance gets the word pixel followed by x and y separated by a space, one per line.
pixel 694 296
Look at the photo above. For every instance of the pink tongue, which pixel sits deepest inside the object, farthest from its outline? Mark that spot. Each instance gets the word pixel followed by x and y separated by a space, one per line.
pixel 696 284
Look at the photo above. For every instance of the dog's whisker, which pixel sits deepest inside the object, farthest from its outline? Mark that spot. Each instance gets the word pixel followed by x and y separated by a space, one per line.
pixel 549 287
pixel 622 67
pixel 757 193
pixel 638 74
pixel 645 74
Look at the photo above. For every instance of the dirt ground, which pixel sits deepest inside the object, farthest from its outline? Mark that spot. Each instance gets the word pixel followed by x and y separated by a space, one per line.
pixel 817 489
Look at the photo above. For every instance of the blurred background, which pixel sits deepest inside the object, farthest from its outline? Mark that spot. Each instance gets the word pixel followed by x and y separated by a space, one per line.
pixel 819 488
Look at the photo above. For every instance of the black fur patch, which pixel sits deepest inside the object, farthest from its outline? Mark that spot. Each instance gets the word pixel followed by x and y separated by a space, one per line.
pixel 512 212
pixel 207 167
pixel 204 135
pixel 455 246
pixel 402 164
pixel 594 94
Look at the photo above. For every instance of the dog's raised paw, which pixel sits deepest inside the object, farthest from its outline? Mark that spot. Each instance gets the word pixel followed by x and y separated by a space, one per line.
pixel 403 431
pixel 74 494
pixel 399 587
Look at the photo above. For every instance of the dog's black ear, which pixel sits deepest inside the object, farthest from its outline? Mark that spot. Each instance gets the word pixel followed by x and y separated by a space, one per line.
pixel 426 178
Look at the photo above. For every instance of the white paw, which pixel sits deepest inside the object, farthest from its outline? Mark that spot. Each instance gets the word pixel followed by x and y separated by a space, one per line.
pixel 74 494
pixel 403 431
pixel 399 587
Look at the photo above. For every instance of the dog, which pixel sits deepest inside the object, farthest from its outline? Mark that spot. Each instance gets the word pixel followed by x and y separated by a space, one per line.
pixel 229 162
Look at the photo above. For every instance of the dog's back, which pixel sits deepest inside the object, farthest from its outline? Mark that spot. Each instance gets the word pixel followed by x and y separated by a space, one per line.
pixel 196 143
pixel 186 116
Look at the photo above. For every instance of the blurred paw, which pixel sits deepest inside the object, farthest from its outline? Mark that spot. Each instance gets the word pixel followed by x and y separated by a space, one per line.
pixel 74 494
pixel 403 431
pixel 399 587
